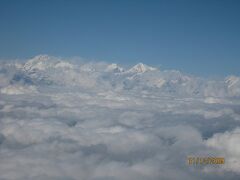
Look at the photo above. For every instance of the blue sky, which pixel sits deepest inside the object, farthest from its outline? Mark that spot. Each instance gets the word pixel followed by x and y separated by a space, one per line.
pixel 199 37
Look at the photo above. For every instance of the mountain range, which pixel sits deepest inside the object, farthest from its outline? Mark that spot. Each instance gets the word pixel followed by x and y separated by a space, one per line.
pixel 43 71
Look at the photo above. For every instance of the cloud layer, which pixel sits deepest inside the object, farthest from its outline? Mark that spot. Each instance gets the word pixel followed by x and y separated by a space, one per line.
pixel 99 121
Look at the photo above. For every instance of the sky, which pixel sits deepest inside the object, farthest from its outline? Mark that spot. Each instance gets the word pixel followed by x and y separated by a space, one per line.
pixel 197 37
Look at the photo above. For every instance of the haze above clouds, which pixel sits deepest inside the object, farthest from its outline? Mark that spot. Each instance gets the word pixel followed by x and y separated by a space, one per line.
pixel 100 121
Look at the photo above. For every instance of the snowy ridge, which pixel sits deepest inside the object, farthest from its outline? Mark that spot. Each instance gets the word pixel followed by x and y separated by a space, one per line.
pixel 114 68
pixel 44 62
pixel 141 68
pixel 46 70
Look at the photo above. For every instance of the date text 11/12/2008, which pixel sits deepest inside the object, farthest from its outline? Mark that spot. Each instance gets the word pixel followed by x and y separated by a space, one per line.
pixel 205 160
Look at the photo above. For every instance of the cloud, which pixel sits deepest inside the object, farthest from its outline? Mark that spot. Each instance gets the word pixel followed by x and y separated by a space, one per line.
pixel 228 144
pixel 11 90
pixel 97 121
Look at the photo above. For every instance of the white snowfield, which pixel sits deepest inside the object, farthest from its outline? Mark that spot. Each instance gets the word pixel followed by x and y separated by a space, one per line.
pixel 100 121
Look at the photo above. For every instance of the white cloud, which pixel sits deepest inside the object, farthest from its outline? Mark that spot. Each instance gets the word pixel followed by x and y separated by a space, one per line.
pixel 228 145
pixel 18 89
pixel 97 121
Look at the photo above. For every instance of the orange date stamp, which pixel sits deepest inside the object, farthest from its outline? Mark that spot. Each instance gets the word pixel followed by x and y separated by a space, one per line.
pixel 205 160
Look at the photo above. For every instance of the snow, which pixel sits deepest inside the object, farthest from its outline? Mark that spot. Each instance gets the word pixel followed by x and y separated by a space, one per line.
pixel 141 68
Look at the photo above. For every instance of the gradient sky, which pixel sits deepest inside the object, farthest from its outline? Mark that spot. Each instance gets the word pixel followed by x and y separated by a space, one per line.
pixel 199 37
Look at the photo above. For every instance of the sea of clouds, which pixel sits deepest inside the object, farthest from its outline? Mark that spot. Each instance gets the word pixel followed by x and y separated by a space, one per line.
pixel 100 121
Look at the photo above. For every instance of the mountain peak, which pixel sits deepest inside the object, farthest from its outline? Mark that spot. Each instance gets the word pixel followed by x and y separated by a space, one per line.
pixel 232 80
pixel 43 62
pixel 37 62
pixel 141 68
pixel 41 57
pixel 114 68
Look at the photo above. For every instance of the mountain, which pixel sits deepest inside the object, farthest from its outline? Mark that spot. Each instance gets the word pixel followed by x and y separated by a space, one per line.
pixel 233 85
pixel 44 62
pixel 44 71
pixel 114 68
pixel 141 68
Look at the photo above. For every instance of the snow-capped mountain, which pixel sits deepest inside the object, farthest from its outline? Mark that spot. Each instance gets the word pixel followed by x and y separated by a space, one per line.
pixel 233 85
pixel 44 62
pixel 40 62
pixel 141 68
pixel 114 68
pixel 44 70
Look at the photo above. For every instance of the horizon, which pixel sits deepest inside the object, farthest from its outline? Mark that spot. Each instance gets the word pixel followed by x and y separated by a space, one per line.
pixel 80 60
